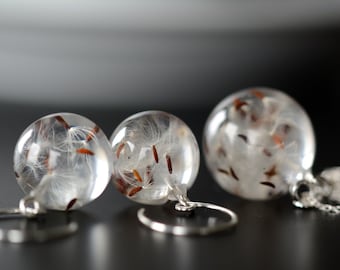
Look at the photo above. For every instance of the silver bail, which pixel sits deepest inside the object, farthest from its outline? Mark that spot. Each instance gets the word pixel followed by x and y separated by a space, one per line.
pixel 304 193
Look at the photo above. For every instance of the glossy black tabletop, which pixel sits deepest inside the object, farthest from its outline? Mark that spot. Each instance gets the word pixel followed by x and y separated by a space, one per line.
pixel 270 235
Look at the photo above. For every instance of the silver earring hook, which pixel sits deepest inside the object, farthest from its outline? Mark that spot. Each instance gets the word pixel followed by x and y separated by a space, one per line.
pixel 29 209
pixel 185 205
pixel 191 230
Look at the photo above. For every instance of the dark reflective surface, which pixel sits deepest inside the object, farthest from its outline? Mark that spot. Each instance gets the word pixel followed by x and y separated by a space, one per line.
pixel 270 235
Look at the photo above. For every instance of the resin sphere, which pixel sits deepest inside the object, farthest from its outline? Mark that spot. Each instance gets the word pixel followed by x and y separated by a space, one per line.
pixel 257 142
pixel 154 155
pixel 63 160
pixel 331 180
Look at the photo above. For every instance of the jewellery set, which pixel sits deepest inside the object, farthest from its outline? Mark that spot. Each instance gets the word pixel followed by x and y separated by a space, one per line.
pixel 258 144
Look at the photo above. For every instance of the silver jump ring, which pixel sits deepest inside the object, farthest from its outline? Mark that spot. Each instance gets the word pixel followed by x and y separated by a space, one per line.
pixel 30 208
pixel 191 230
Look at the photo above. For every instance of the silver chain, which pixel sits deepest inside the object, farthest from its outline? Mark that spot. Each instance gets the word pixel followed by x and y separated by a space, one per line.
pixel 328 208
pixel 309 198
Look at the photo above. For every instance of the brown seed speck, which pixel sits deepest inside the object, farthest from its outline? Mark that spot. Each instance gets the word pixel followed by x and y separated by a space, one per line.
pixel 71 204
pixel 269 184
pixel 267 152
pixel 271 172
pixel 137 176
pixel 148 171
pixel 233 174
pixel 119 149
pixel 258 94
pixel 62 121
pixel 121 186
pixel 169 163
pixel 155 154
pixel 286 128
pixel 84 151
pixel 92 133
pixel 238 104
pixel 134 191
pixel 243 137
pixel 278 140
pixel 223 171
pixel 253 117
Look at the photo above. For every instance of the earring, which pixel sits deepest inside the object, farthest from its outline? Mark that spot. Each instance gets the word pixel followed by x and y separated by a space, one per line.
pixel 156 159
pixel 259 144
pixel 62 161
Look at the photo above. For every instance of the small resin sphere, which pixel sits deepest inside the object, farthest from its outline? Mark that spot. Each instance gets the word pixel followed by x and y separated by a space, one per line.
pixel 155 157
pixel 257 142
pixel 331 180
pixel 63 160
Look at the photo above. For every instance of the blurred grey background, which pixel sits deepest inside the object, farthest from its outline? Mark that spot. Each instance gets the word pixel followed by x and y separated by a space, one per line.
pixel 164 54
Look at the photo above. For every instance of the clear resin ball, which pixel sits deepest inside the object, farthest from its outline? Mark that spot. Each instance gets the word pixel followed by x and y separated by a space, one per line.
pixel 330 178
pixel 154 155
pixel 63 160
pixel 257 142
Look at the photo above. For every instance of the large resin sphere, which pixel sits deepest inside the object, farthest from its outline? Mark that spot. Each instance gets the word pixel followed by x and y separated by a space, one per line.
pixel 63 160
pixel 154 154
pixel 257 142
